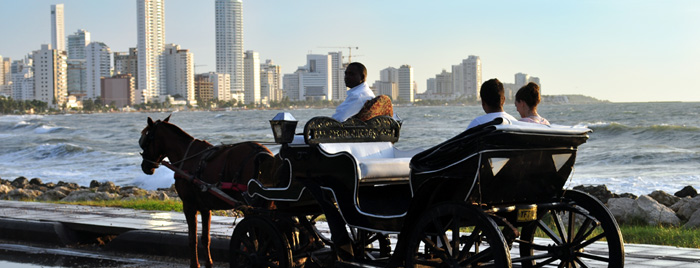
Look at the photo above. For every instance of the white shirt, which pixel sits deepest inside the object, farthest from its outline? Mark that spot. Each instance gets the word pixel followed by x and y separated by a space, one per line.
pixel 353 103
pixel 507 119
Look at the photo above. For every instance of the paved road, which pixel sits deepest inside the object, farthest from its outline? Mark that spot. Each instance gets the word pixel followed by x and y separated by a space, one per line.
pixel 55 222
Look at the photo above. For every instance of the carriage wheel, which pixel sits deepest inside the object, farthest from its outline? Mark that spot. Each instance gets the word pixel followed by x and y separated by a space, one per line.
pixel 569 234
pixel 256 242
pixel 457 235
pixel 370 245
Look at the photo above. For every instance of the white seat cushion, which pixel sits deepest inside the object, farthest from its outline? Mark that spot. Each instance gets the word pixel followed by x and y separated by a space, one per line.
pixel 385 167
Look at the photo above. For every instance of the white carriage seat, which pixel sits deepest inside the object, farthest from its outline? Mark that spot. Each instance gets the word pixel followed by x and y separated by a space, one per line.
pixel 375 159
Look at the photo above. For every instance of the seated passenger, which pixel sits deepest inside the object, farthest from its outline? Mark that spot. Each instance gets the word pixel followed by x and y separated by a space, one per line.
pixel 359 93
pixel 492 99
pixel 526 101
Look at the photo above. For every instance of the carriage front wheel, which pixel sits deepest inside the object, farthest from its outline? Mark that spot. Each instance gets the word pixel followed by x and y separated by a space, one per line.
pixel 584 234
pixel 256 242
pixel 455 234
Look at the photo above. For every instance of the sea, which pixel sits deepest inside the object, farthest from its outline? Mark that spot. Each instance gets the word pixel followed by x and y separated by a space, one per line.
pixel 634 147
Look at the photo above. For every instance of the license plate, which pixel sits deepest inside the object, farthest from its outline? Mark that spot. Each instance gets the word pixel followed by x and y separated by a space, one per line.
pixel 527 214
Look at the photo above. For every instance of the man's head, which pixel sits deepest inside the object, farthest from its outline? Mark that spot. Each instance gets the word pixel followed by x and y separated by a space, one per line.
pixel 355 74
pixel 492 96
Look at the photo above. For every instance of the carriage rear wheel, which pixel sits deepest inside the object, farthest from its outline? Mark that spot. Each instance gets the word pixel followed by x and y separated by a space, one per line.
pixel 571 239
pixel 457 235
pixel 256 242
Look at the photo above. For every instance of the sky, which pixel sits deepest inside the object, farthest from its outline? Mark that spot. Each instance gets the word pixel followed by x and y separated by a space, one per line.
pixel 621 51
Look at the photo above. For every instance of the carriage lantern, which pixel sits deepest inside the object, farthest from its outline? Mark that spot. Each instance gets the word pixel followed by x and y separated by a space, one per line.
pixel 283 127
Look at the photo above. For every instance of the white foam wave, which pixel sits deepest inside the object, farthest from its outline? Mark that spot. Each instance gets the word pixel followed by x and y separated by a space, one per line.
pixel 161 178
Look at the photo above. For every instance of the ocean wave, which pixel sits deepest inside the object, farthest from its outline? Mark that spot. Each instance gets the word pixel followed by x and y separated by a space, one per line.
pixel 50 151
pixel 659 133
pixel 43 129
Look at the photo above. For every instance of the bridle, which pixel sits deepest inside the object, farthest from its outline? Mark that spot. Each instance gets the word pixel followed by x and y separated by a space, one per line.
pixel 145 141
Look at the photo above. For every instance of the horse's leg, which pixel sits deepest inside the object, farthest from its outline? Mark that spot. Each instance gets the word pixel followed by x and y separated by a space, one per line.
pixel 206 236
pixel 191 217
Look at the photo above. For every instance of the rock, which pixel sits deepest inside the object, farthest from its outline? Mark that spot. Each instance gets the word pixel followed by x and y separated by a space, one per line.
pixel 108 187
pixel 20 182
pixel 22 194
pixel 694 221
pixel 55 194
pixel 600 192
pixel 88 195
pixel 35 181
pixel 4 189
pixel 687 191
pixel 94 184
pixel 664 198
pixel 653 213
pixel 69 185
pixel 620 207
pixel 628 195
pixel 686 207
pixel 132 191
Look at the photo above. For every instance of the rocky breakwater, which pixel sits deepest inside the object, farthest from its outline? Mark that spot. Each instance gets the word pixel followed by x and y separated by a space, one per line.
pixel 24 189
pixel 657 208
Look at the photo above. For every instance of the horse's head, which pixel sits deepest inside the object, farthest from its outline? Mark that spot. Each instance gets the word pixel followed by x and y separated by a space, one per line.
pixel 152 154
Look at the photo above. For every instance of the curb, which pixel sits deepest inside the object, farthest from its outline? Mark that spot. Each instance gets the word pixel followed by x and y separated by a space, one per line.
pixel 37 231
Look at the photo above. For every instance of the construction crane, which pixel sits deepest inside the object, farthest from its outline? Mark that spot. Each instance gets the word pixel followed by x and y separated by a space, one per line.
pixel 197 65
pixel 349 51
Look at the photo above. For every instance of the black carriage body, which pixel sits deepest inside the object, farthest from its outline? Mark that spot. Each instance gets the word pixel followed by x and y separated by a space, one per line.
pixel 496 165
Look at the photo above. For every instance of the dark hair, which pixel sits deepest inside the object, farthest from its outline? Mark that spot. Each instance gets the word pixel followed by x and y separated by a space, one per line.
pixel 530 94
pixel 361 67
pixel 492 93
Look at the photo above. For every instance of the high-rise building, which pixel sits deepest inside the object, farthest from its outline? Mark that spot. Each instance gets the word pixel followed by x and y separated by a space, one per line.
pixel 229 42
pixel 291 84
pixel 338 74
pixel 179 69
pixel 150 24
pixel 58 32
pixel 203 88
pixel 406 85
pixel 3 70
pixel 99 64
pixel 117 90
pixel 77 78
pixel 22 76
pixel 77 43
pixel 50 78
pixel 270 81
pixel 127 63
pixel 209 86
pixel 388 83
pixel 251 66
pixel 317 83
pixel 7 71
pixel 466 78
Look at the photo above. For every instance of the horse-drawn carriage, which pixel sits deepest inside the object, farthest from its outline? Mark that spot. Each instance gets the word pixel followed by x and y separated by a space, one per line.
pixel 467 202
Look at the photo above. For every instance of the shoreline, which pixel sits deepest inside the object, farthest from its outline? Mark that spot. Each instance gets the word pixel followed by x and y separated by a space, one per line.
pixel 681 208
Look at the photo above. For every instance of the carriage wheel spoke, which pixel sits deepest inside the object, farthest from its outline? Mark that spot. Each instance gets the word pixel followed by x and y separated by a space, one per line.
pixel 483 255
pixel 593 257
pixel 590 241
pixel 550 233
pixel 584 230
pixel 581 263
pixel 572 228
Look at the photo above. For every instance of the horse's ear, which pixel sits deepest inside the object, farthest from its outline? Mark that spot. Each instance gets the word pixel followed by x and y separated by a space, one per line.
pixel 150 121
pixel 167 118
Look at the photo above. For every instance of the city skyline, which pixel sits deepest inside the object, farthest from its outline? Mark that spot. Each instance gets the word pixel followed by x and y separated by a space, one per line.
pixel 619 51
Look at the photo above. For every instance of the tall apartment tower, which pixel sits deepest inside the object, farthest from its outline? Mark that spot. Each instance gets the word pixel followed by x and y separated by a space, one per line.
pixel 270 81
pixel 251 65
pixel 77 43
pixel 127 63
pixel 406 85
pixel 466 78
pixel 22 79
pixel 50 79
pixel 99 64
pixel 58 32
pixel 179 69
pixel 150 24
pixel 338 73
pixel 3 70
pixel 7 71
pixel 229 42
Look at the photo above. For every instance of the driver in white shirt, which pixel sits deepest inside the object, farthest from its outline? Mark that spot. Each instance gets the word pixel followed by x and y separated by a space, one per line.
pixel 359 93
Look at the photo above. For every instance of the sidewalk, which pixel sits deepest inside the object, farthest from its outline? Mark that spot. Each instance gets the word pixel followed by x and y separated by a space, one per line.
pixel 156 232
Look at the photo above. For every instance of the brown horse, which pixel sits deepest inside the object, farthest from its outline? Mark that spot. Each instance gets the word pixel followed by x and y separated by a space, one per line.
pixel 235 163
